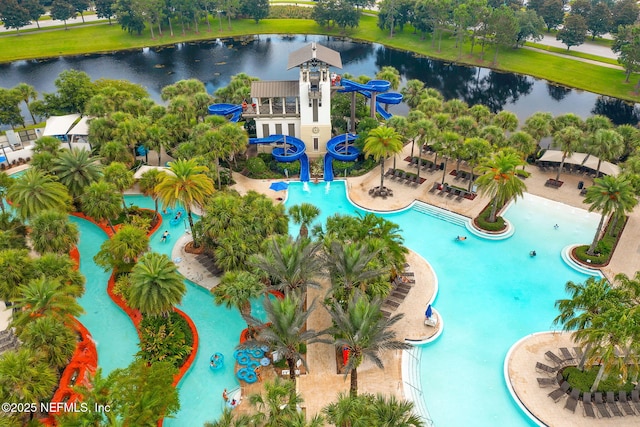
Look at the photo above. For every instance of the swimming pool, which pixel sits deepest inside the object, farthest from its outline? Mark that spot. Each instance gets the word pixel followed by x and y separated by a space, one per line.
pixel 491 294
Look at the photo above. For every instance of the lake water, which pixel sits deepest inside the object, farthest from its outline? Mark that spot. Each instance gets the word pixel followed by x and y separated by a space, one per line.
pixel 265 56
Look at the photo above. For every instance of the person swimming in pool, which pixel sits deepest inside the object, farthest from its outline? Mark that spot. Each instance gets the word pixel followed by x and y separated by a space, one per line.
pixel 461 238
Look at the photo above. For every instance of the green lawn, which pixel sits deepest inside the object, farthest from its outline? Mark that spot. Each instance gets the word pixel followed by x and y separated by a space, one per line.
pixel 108 38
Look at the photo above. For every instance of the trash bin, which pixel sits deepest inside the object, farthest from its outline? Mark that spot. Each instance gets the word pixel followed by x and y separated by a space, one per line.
pixel 580 185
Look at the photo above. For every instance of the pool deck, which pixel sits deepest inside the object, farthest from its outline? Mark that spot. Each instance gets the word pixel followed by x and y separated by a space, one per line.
pixel 322 384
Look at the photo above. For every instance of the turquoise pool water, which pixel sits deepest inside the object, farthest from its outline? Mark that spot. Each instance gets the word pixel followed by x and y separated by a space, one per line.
pixel 218 327
pixel 492 293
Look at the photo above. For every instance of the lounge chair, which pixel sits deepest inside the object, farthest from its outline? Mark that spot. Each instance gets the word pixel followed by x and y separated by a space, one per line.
pixel 566 354
pixel 554 358
pixel 635 398
pixel 572 400
pixel 397 173
pixel 612 405
pixel 597 400
pixel 626 407
pixel 389 172
pixel 541 367
pixel 560 392
pixel 547 382
pixel 587 405
pixel 431 321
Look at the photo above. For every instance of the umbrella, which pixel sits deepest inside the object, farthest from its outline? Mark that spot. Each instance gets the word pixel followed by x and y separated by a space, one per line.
pixel 429 312
pixel 278 186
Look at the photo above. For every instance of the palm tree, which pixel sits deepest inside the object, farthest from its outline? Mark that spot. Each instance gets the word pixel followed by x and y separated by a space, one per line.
pixel 286 329
pixel 596 122
pixel 586 301
pixel 539 125
pixel 34 192
pixel 350 411
pixel 292 264
pixel 390 74
pixel 476 149
pixel 61 268
pixel 188 185
pixel 277 405
pixel 101 201
pixel 120 177
pixel 156 285
pixel 122 250
pixel 158 138
pixel 565 120
pixel 76 169
pixel 608 195
pixel 523 143
pixel 52 338
pixel 234 137
pixel 25 377
pixel 237 289
pixel 370 410
pixel 363 329
pixel 229 419
pixel 381 143
pixel 448 143
pixel 481 114
pixel 27 93
pixel 455 107
pixel 303 214
pixel 148 183
pixel 44 297
pixel 116 151
pixel 498 179
pixel 51 231
pixel 605 144
pixel 398 413
pixel 567 139
pixel 608 334
pixel 350 265
pixel 412 92
pixel 17 270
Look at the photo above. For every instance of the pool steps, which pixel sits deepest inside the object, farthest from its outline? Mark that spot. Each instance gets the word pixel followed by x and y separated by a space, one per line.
pixel 412 384
pixel 442 214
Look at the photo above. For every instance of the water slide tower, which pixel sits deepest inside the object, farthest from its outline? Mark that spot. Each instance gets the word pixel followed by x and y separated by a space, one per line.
pixel 299 108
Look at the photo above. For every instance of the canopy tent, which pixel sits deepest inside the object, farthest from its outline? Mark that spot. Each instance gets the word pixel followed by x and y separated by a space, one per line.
pixel 60 125
pixel 581 159
pixel 147 168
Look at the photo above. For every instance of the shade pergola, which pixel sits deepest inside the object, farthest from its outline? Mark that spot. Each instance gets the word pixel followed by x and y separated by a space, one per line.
pixel 581 159
pixel 59 125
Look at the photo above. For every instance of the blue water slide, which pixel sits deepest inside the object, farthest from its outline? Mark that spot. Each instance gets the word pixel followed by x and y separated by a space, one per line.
pixel 382 96
pixel 235 111
pixel 380 110
pixel 293 150
pixel 338 148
